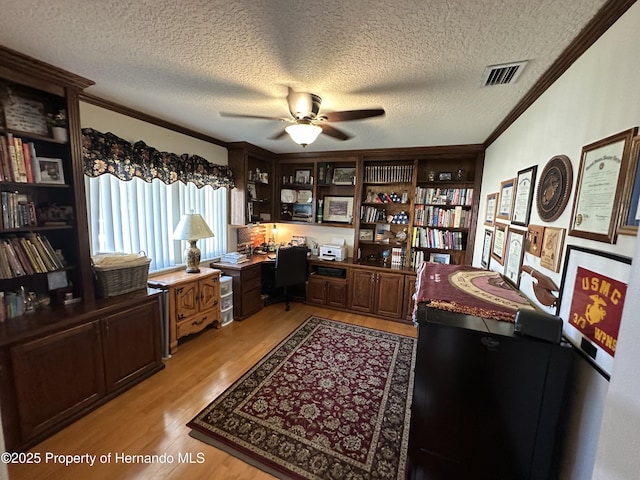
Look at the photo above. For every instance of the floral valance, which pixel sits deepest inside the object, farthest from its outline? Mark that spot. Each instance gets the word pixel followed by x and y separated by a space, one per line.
pixel 108 153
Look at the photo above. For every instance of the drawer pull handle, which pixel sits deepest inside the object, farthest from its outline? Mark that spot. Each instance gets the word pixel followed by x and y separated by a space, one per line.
pixel 490 342
pixel 199 322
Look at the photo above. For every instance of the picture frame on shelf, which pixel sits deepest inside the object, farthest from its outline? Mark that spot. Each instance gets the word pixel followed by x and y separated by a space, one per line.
pixel 442 258
pixel 486 248
pixel 251 191
pixel 499 242
pixel 507 196
pixel 523 200
pixel 366 235
pixel 491 208
pixel 630 214
pixel 302 176
pixel 304 196
pixel 445 176
pixel 322 174
pixel 513 256
pixel 51 170
pixel 25 115
pixel 597 202
pixel 343 176
pixel 302 212
pixel 552 245
pixel 338 209
pixel 591 316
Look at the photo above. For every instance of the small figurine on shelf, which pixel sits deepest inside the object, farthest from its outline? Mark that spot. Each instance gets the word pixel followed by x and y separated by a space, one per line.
pixel 58 124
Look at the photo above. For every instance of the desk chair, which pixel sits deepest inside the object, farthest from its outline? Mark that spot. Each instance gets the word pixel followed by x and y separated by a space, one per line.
pixel 290 269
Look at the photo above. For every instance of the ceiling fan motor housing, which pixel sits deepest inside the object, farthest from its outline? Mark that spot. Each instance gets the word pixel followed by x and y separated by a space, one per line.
pixel 304 105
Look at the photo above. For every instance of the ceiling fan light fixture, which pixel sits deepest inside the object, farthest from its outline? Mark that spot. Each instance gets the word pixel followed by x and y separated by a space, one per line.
pixel 303 133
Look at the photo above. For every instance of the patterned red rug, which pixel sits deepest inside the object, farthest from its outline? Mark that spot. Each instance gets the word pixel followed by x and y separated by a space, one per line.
pixel 332 401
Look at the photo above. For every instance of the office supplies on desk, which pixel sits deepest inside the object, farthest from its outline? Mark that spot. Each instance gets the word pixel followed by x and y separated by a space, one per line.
pixel 234 257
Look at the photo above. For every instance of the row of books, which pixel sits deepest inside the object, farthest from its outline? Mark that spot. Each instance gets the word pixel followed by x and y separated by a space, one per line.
pixel 369 214
pixel 27 255
pixel 12 304
pixel 425 237
pixel 17 210
pixel 398 256
pixel 444 196
pixel 432 216
pixel 388 173
pixel 18 160
pixel 417 259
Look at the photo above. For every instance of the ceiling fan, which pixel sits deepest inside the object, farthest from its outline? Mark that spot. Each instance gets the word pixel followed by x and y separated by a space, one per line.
pixel 307 124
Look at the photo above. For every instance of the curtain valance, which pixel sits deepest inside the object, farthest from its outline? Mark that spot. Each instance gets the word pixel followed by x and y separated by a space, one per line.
pixel 108 153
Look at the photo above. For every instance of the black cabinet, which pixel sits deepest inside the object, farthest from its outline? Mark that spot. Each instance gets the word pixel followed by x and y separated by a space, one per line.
pixel 487 403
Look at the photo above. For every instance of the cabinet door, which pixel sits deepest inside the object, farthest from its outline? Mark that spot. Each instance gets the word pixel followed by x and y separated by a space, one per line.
pixel 187 300
pixel 57 377
pixel 362 290
pixel 336 293
pixel 390 295
pixel 131 342
pixel 409 291
pixel 209 290
pixel 316 290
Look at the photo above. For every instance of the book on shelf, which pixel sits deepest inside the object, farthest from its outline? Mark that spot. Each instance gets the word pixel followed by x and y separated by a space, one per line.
pixel 13 159
pixel 21 176
pixel 28 163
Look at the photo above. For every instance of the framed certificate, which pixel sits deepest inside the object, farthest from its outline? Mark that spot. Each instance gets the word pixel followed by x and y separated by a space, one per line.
pixel 490 211
pixel 599 190
pixel 486 248
pixel 507 195
pixel 526 180
pixel 499 242
pixel 513 256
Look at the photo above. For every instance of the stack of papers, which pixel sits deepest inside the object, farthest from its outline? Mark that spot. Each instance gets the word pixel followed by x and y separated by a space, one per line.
pixel 234 257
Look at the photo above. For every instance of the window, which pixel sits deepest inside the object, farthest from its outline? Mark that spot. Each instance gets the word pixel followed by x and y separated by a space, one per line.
pixel 133 216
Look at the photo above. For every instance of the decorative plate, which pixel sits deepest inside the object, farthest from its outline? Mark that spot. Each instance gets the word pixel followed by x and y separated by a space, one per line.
pixel 554 188
pixel 287 196
pixel 305 196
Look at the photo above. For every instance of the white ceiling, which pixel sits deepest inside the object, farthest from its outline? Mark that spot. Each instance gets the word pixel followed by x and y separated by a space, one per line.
pixel 186 61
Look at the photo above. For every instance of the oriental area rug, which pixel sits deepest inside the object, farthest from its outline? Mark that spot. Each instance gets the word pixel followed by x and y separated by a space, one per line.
pixel 332 401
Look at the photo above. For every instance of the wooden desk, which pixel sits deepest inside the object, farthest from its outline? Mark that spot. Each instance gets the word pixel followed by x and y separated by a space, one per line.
pixel 247 284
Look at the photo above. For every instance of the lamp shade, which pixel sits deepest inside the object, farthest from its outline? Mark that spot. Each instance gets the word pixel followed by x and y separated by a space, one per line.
pixel 303 133
pixel 192 227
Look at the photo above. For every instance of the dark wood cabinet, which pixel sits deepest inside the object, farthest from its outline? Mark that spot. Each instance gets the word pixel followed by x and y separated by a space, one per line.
pixel 487 403
pixel 376 292
pixel 409 291
pixel 130 344
pixel 247 286
pixel 327 291
pixel 56 377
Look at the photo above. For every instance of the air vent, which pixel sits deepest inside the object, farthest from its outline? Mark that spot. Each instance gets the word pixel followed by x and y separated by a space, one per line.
pixel 503 74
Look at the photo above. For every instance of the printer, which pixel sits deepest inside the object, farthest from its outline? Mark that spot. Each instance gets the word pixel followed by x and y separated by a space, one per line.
pixel 336 250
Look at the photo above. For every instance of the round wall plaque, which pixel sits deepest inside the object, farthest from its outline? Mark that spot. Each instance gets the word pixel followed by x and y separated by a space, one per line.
pixel 554 188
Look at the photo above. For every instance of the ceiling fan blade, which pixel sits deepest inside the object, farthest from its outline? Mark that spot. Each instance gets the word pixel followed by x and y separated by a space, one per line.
pixel 278 136
pixel 334 132
pixel 348 115
pixel 240 115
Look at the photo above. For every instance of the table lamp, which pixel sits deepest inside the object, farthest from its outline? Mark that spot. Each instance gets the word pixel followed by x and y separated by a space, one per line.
pixel 191 228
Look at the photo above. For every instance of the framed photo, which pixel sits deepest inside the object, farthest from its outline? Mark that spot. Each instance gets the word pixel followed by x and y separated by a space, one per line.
pixel 513 256
pixel 499 242
pixel 507 194
pixel 25 115
pixel 486 248
pixel 444 176
pixel 591 303
pixel 344 176
pixel 630 214
pixel 596 206
pixel 554 188
pixel 304 196
pixel 366 235
pixel 443 258
pixel 302 176
pixel 533 241
pixel 51 170
pixel 251 191
pixel 552 244
pixel 302 212
pixel 490 212
pixel 525 183
pixel 338 209
pixel 322 174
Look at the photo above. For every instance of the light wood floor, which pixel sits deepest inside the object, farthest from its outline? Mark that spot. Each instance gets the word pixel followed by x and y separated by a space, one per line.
pixel 150 418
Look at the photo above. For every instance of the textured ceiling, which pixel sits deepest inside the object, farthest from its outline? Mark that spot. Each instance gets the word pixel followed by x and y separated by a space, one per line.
pixel 186 61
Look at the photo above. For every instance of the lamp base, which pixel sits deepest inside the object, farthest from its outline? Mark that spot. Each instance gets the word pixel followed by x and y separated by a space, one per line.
pixel 192 257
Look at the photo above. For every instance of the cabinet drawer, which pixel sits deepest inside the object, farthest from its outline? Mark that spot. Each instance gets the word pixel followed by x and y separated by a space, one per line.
pixel 251 279
pixel 196 323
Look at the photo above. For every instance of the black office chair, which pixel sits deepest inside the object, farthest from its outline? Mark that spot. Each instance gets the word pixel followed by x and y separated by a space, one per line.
pixel 291 270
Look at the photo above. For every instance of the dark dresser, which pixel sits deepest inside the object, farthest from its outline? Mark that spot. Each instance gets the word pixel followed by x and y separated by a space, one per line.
pixel 487 403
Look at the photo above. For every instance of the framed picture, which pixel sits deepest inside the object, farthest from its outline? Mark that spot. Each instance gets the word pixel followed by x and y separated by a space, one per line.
pixel 533 241
pixel 444 176
pixel 366 235
pixel 513 256
pixel 499 242
pixel 525 183
pixel 486 248
pixel 302 176
pixel 304 196
pixel 554 188
pixel 630 214
pixel 25 115
pixel 338 209
pixel 599 189
pixel 443 258
pixel 507 194
pixel 552 244
pixel 490 212
pixel 344 176
pixel 591 303
pixel 251 191
pixel 322 174
pixel 302 212
pixel 51 170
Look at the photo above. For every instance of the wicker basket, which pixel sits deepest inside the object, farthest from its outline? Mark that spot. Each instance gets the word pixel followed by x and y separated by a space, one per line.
pixel 116 280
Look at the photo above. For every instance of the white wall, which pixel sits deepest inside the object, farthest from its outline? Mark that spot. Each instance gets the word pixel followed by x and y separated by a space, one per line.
pixel 597 97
